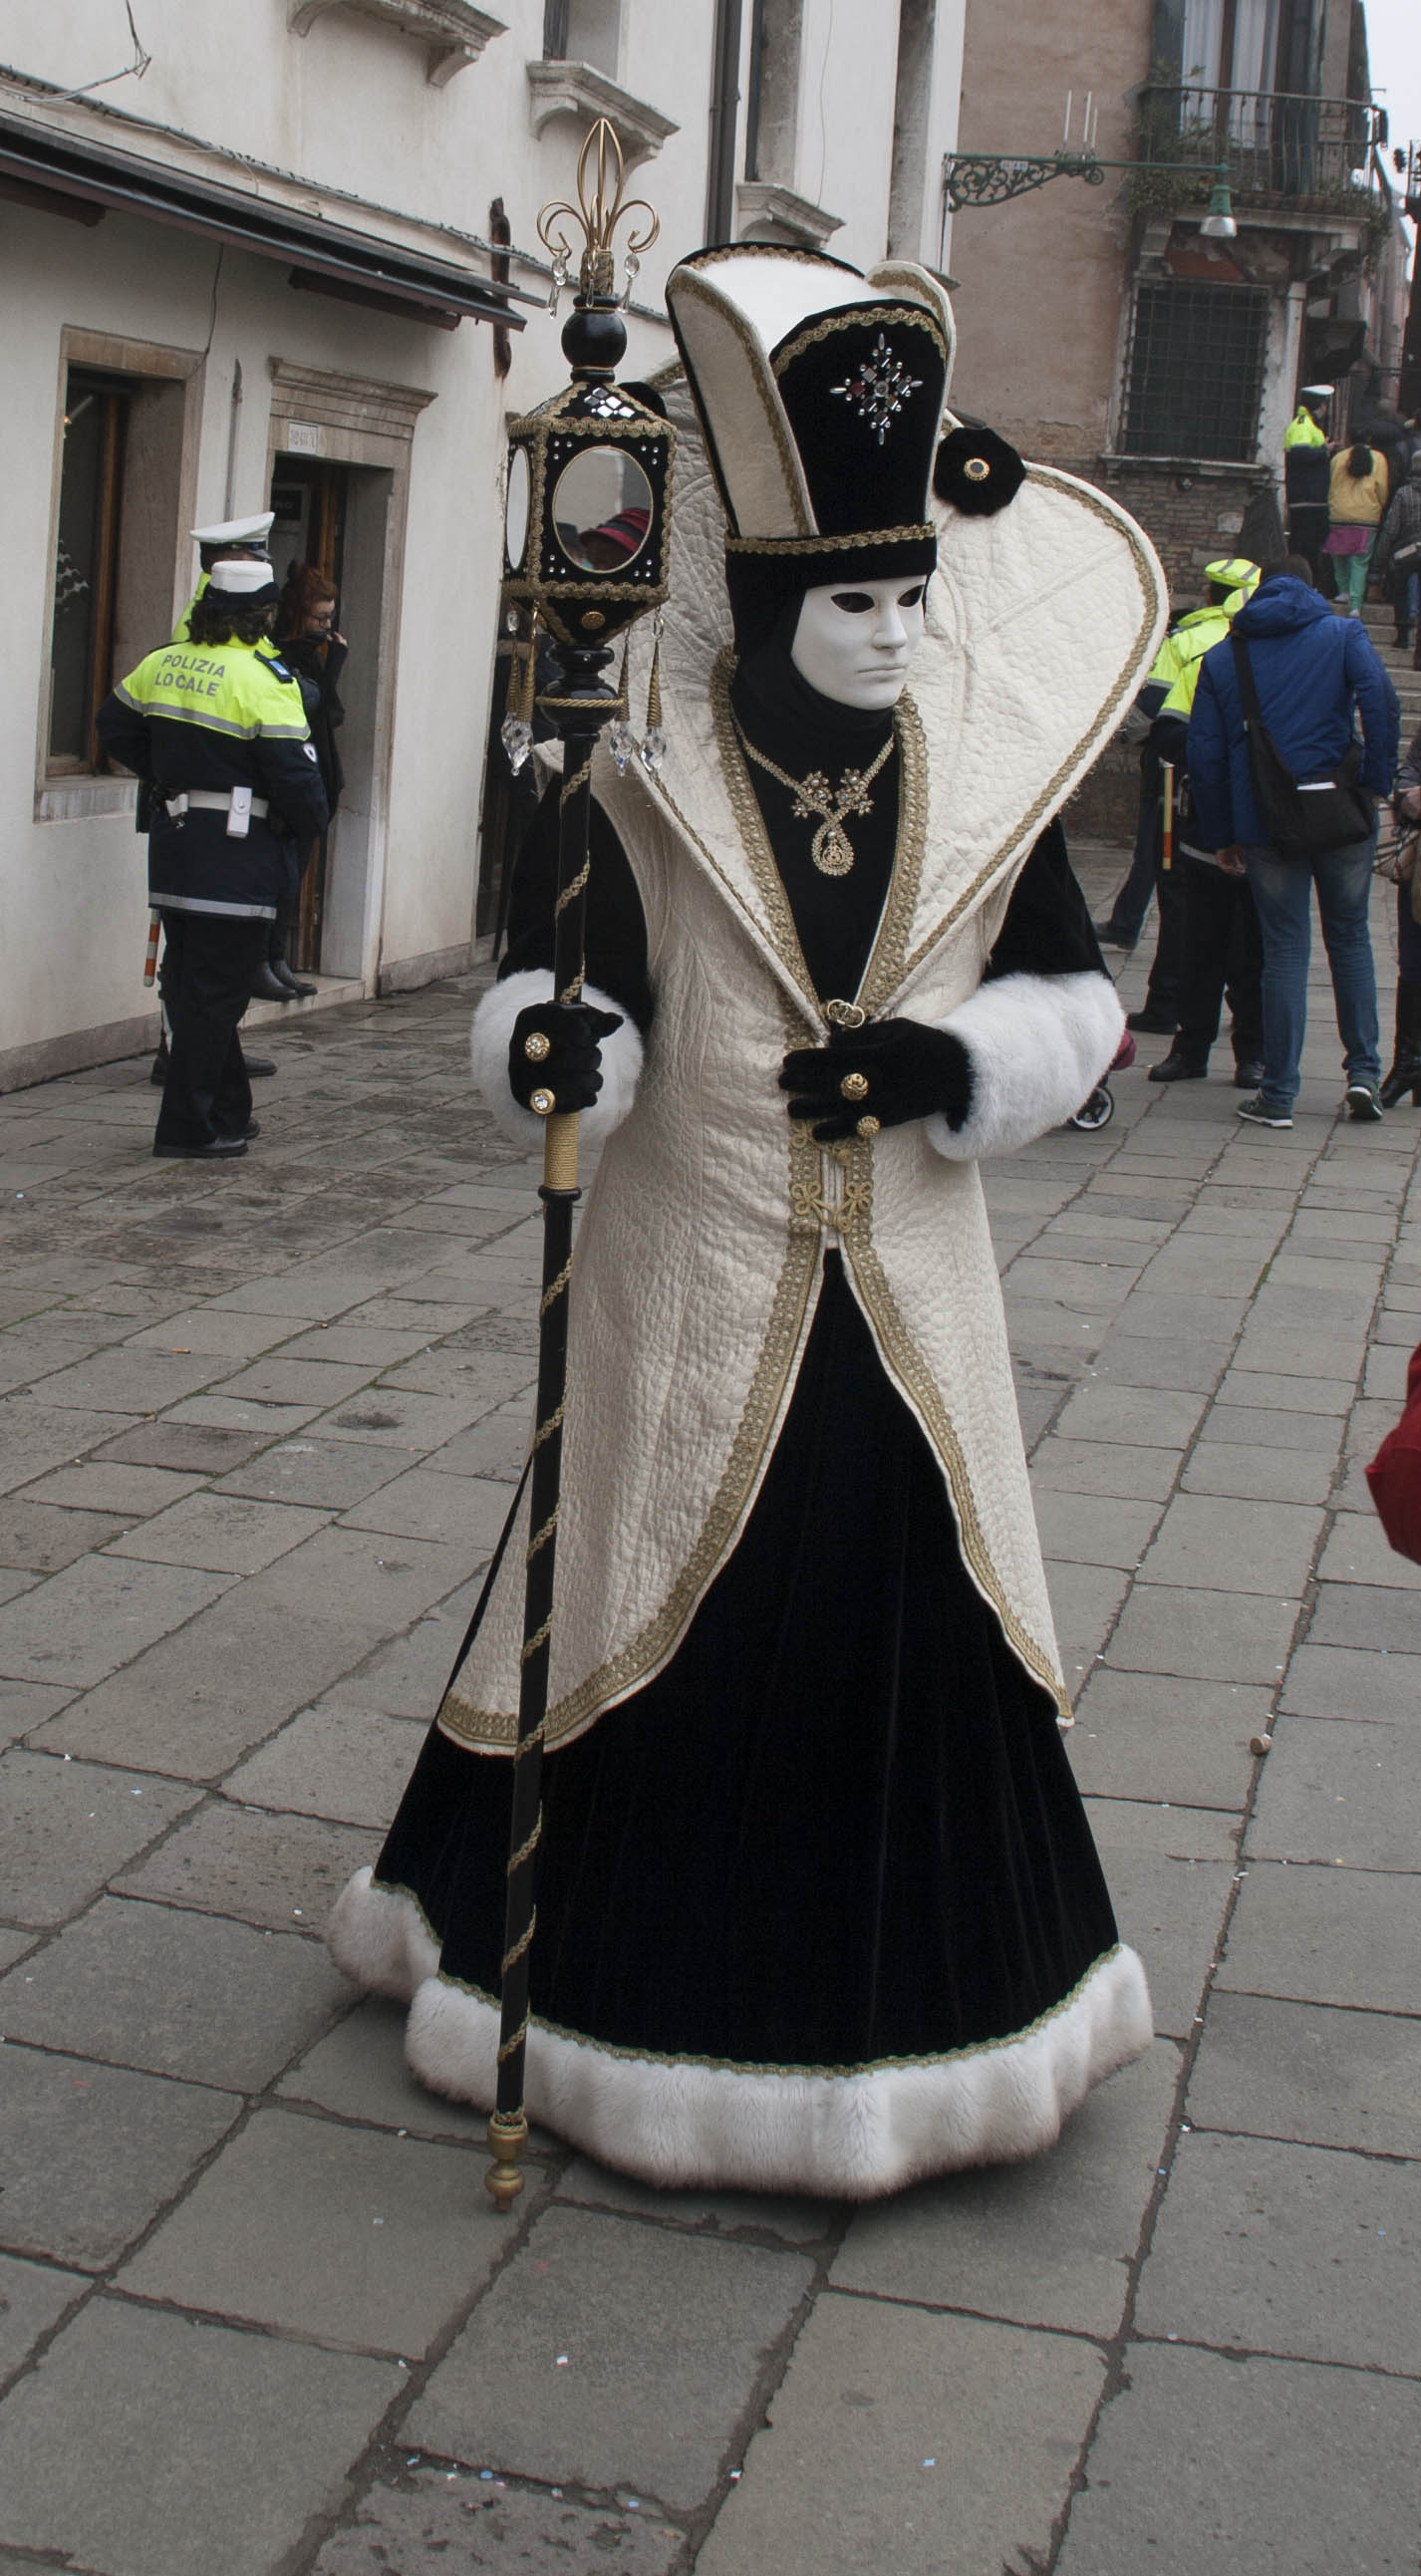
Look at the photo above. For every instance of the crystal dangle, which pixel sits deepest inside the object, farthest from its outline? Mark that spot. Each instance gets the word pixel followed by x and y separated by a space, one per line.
pixel 516 731
pixel 653 747
pixel 631 270
pixel 621 741
pixel 562 270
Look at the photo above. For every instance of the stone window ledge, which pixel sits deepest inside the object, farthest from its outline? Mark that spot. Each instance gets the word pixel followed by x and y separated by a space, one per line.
pixel 767 212
pixel 75 800
pixel 453 32
pixel 575 89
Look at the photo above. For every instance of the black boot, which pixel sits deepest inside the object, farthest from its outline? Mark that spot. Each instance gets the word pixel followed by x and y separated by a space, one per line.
pixel 1405 1074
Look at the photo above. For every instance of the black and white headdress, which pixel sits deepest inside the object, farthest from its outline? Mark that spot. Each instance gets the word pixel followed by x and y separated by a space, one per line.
pixel 821 393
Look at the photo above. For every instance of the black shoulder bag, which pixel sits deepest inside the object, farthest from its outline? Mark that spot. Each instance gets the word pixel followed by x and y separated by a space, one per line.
pixel 1304 817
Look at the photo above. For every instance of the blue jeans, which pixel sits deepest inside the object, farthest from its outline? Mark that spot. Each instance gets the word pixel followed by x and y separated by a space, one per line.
pixel 1282 890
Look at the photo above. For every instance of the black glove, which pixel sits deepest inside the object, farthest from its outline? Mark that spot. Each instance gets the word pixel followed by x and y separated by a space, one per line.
pixel 570 1064
pixel 894 1069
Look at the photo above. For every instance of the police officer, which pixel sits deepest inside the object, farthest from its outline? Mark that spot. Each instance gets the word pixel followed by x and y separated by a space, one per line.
pixel 227 540
pixel 1231 579
pixel 216 729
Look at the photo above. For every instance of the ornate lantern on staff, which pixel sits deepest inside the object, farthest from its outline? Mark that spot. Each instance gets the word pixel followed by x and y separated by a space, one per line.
pixel 587 540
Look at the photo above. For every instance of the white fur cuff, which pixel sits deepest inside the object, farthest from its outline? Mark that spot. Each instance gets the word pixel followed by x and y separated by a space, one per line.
pixel 1038 1046
pixel 488 1048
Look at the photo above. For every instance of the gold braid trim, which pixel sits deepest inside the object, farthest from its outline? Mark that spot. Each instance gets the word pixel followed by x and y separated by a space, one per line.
pixel 546 1429
pixel 870 315
pixel 495 1730
pixel 817 545
pixel 524 1942
pixel 754 2066
pixel 796 489
pixel 544 1534
pixel 1106 723
pixel 907 1365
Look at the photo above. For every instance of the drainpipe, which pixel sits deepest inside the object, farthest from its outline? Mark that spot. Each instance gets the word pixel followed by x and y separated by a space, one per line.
pixel 234 418
pixel 725 98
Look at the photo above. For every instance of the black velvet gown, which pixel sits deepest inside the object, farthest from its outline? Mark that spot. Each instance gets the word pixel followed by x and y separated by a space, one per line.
pixel 840 1828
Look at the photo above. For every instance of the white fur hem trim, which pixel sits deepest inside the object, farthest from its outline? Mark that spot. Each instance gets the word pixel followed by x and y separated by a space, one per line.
pixel 849 2137
pixel 380 1938
pixel 488 1048
pixel 1039 1045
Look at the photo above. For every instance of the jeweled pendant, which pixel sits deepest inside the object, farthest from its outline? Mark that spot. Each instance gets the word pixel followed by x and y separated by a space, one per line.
pixel 831 850
pixel 653 749
pixel 621 743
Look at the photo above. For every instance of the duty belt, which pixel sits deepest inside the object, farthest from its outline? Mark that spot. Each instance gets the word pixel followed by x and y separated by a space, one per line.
pixel 237 803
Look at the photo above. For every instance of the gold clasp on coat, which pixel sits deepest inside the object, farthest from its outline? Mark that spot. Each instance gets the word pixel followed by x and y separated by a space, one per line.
pixel 845 1015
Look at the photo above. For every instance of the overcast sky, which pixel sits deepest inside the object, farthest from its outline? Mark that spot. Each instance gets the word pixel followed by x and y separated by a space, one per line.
pixel 1394 45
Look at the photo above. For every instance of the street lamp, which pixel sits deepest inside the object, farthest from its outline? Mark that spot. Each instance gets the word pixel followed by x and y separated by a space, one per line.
pixel 990 178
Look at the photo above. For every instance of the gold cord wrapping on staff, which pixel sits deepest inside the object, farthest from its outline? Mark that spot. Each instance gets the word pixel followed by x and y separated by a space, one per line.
pixel 526 1850
pixel 532 1644
pixel 546 1429
pixel 544 1534
pixel 555 1288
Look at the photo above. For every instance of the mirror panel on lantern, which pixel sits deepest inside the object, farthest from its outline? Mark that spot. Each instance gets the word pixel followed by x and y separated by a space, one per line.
pixel 515 522
pixel 602 509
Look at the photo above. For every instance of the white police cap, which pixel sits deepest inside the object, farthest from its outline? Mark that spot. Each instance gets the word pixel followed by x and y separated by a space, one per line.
pixel 247 577
pixel 236 532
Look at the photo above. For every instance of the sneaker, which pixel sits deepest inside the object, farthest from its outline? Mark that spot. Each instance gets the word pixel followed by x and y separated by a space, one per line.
pixel 1364 1103
pixel 1262 1113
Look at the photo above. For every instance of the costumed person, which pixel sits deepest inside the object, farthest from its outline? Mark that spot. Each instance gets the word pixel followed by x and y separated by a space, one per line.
pixel 818 1907
pixel 217 733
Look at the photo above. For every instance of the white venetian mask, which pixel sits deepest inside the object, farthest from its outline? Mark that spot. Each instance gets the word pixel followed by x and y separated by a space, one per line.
pixel 854 642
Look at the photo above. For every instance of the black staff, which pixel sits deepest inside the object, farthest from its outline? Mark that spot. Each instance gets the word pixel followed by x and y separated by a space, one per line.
pixel 595 454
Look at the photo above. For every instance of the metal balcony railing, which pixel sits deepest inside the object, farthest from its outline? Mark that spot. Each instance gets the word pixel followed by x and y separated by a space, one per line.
pixel 1276 143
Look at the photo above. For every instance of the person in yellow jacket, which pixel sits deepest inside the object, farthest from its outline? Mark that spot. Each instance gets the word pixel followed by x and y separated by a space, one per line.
pixel 216 729
pixel 1230 579
pixel 1357 494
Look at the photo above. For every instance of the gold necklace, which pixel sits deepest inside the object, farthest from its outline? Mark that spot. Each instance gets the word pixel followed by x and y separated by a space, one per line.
pixel 831 849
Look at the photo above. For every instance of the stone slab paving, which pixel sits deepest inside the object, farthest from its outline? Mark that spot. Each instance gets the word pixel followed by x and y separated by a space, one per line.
pixel 257 1434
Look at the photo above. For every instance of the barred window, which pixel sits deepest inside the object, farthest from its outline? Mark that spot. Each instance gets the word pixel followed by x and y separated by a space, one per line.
pixel 1194 378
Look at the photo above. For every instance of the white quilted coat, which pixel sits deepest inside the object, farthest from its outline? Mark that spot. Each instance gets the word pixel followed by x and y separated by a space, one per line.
pixel 701 1245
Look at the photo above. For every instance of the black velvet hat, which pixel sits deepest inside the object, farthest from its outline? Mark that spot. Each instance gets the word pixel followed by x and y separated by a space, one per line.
pixel 821 395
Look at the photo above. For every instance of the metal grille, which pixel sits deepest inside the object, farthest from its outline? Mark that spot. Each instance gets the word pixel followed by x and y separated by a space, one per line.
pixel 1195 375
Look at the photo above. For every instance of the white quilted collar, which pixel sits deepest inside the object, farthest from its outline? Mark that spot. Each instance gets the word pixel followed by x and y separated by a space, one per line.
pixel 1042 622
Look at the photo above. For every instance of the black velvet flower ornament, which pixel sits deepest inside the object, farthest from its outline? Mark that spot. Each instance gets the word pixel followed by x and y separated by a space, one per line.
pixel 977 472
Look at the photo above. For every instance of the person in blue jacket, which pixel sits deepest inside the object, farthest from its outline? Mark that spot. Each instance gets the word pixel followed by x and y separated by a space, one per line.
pixel 1316 674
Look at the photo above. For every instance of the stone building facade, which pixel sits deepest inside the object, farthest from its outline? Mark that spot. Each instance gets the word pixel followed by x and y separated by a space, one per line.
pixel 253 259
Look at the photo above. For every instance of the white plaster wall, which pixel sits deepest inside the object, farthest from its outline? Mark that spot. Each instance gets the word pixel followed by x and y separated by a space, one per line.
pixel 347 113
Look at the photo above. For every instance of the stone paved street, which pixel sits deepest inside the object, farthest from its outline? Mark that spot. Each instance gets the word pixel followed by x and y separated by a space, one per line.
pixel 256 2316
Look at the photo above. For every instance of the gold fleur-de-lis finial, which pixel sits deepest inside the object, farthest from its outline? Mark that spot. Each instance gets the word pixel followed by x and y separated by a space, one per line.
pixel 601 206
